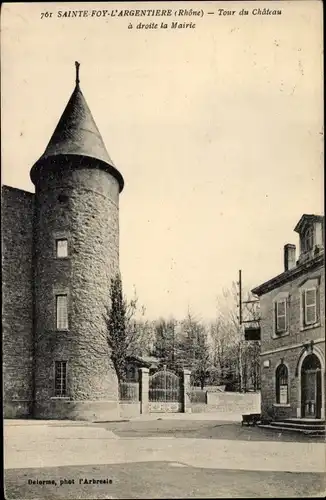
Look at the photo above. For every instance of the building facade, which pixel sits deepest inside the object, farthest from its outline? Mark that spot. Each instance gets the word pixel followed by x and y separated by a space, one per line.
pixel 60 251
pixel 292 330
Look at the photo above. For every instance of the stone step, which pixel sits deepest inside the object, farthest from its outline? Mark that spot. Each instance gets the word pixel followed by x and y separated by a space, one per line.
pixel 304 426
pixel 305 421
pixel 312 433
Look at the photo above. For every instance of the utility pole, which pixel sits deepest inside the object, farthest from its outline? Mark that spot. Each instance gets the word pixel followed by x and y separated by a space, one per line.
pixel 240 327
pixel 240 297
pixel 250 305
pixel 173 345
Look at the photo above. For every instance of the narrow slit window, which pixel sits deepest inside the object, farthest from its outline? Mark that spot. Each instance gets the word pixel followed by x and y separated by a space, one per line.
pixel 60 379
pixel 62 312
pixel 62 248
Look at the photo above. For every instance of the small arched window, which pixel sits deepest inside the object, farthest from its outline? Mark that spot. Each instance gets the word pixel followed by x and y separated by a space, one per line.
pixel 282 391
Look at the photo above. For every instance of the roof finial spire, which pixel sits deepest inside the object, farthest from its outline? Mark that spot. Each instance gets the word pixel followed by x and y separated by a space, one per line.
pixel 77 72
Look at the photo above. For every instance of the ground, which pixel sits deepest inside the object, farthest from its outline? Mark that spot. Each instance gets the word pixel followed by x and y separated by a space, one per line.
pixel 159 457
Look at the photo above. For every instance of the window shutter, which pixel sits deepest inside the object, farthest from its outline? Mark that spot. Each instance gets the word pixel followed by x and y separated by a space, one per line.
pixel 310 306
pixel 281 315
pixel 310 297
pixel 303 304
pixel 318 304
pixel 311 315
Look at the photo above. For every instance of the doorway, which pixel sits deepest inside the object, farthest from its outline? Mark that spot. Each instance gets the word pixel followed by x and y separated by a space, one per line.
pixel 311 387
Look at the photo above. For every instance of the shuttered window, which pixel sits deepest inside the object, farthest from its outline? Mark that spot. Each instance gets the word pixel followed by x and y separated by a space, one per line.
pixel 310 306
pixel 281 316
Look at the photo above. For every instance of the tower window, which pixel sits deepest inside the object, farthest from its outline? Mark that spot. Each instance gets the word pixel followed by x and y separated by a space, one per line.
pixel 60 379
pixel 62 248
pixel 63 198
pixel 61 312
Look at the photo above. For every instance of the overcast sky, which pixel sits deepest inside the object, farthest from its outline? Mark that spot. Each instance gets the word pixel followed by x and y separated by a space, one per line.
pixel 217 131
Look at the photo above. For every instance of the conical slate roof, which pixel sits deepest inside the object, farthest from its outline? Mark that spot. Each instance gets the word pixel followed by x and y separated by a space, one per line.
pixel 77 134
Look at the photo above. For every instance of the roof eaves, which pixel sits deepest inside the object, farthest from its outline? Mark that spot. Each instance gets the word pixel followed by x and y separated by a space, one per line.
pixel 286 276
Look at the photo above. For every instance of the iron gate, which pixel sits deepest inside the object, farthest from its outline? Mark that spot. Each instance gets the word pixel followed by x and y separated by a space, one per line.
pixel 165 392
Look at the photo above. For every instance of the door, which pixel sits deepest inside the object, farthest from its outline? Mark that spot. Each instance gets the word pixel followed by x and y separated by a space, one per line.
pixel 311 387
pixel 309 399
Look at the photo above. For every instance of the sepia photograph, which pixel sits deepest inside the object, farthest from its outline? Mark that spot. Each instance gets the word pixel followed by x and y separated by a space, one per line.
pixel 163 279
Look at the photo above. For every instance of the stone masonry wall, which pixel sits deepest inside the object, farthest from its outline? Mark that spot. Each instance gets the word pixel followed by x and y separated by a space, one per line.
pixel 296 334
pixel 289 347
pixel 268 383
pixel 80 204
pixel 230 403
pixel 129 410
pixel 248 402
pixel 17 300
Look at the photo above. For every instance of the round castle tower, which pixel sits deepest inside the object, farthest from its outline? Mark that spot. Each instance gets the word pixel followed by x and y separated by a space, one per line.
pixel 76 253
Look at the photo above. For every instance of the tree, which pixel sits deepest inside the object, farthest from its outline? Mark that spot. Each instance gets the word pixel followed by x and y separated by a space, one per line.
pixel 219 344
pixel 226 339
pixel 202 365
pixel 142 334
pixel 126 335
pixel 194 349
pixel 165 344
pixel 116 321
pixel 251 349
pixel 237 361
pixel 139 332
pixel 251 365
pixel 183 344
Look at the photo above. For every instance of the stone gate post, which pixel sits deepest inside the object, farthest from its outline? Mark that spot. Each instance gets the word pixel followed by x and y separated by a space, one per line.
pixel 144 389
pixel 185 391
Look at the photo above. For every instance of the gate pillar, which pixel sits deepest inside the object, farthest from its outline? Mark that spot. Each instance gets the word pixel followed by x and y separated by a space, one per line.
pixel 185 391
pixel 144 389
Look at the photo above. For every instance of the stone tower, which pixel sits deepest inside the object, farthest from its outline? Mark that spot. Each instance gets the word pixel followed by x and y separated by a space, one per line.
pixel 76 253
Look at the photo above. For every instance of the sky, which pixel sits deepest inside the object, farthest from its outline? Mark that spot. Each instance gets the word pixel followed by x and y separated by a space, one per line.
pixel 217 130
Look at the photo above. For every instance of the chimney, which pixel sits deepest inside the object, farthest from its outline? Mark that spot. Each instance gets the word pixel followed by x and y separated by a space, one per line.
pixel 289 256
